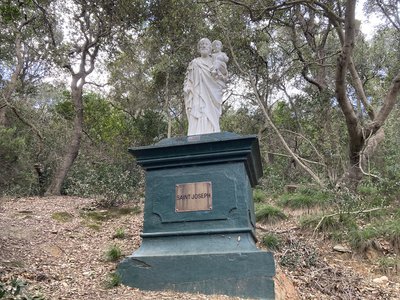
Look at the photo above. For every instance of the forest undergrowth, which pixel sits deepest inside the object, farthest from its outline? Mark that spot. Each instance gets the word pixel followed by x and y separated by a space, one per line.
pixel 324 252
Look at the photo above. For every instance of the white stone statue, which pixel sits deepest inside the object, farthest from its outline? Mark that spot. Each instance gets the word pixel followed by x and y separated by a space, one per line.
pixel 205 80
pixel 220 59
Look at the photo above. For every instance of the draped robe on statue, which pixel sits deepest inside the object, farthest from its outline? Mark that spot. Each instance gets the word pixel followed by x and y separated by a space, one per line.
pixel 203 97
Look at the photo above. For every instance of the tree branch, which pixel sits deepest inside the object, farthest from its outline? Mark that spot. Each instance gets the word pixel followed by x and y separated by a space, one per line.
pixel 33 127
pixel 350 213
pixel 268 119
pixel 342 65
pixel 387 15
pixel 306 139
pixel 11 86
pixel 305 68
pixel 304 159
pixel 358 86
pixel 388 104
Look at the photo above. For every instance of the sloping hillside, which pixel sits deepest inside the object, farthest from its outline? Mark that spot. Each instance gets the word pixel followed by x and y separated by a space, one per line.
pixel 64 249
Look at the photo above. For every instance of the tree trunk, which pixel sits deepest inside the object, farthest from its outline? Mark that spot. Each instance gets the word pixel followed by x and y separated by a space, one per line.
pixel 72 148
pixel 3 118
pixel 362 140
pixel 12 84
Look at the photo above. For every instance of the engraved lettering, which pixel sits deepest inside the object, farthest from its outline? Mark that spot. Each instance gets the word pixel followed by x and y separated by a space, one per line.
pixel 183 197
pixel 194 196
pixel 201 195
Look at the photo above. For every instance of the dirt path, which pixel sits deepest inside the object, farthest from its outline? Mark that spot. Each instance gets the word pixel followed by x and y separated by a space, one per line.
pixel 58 245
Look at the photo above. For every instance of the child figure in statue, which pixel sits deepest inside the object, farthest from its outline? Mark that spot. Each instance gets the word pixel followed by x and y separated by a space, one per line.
pixel 220 59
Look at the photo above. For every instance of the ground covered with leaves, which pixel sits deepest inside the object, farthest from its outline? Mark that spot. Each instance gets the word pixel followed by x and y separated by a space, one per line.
pixel 66 248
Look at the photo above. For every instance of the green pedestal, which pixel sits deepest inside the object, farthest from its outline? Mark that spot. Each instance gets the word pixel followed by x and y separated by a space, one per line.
pixel 211 248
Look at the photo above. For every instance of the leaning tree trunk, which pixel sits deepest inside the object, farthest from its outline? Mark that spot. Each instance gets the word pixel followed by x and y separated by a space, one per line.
pixel 72 148
pixel 363 140
pixel 88 53
pixel 3 119
pixel 354 129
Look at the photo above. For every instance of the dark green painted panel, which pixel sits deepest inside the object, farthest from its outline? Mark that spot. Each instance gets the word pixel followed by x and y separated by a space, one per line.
pixel 228 242
pixel 231 198
pixel 212 148
pixel 246 274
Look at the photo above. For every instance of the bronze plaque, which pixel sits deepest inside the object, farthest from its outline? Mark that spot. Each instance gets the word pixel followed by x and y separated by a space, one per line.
pixel 193 196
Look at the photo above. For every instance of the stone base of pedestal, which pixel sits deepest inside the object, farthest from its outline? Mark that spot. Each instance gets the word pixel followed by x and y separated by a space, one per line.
pixel 247 274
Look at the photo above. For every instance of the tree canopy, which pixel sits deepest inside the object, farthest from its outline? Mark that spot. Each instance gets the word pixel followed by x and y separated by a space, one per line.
pixel 81 81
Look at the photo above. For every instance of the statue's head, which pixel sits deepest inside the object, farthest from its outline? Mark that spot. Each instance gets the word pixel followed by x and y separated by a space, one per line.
pixel 204 47
pixel 216 46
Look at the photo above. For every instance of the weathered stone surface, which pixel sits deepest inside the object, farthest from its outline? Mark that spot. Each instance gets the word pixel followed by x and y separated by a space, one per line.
pixel 381 280
pixel 246 274
pixel 340 248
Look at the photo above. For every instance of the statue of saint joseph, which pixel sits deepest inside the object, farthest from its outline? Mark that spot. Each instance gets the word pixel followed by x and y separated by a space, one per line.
pixel 205 81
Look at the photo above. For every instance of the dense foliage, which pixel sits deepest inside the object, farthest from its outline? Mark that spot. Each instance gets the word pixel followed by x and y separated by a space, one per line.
pixel 103 77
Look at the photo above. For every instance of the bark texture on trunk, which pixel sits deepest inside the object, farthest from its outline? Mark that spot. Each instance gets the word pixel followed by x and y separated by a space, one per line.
pixel 86 54
pixel 72 148
pixel 3 118
pixel 363 140
pixel 354 129
pixel 10 88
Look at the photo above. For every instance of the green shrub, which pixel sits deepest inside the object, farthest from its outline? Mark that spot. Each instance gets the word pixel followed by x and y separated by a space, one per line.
pixel 397 214
pixel 113 253
pixel 269 213
pixel 337 236
pixel 17 176
pixel 271 241
pixel 109 184
pixel 274 177
pixel 371 196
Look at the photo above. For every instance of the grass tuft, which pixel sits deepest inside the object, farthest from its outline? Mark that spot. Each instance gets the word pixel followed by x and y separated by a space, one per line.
pixel 305 198
pixel 336 225
pixel 259 195
pixel 113 280
pixel 271 241
pixel 363 239
pixel 113 253
pixel 119 234
pixel 392 230
pixel 389 265
pixel 269 213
